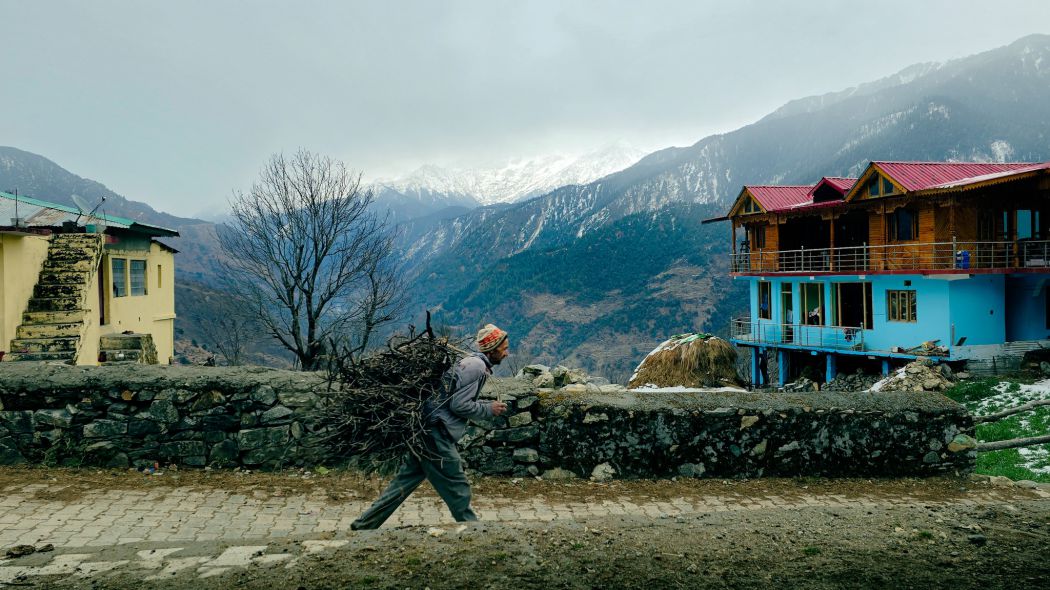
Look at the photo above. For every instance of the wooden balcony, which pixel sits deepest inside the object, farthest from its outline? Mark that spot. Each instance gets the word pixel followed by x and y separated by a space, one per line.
pixel 907 256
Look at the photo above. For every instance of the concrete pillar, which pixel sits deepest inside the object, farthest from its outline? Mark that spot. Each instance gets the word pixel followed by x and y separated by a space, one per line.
pixel 756 374
pixel 782 366
pixel 885 367
pixel 831 372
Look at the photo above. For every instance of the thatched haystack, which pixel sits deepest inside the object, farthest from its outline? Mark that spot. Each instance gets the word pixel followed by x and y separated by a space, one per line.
pixel 688 360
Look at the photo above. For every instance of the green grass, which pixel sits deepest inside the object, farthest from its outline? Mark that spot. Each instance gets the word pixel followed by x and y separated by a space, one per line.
pixel 1008 462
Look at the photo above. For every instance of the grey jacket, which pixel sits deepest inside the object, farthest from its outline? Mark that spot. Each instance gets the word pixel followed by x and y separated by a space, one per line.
pixel 459 401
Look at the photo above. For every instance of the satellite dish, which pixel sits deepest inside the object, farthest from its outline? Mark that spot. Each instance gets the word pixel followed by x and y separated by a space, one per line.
pixel 82 206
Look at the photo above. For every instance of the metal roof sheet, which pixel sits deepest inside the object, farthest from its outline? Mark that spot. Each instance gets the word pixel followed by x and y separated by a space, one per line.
pixel 993 176
pixel 917 176
pixel 37 213
pixel 779 198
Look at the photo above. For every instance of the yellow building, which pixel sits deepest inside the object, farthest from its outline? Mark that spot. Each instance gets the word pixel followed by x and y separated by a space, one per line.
pixel 83 288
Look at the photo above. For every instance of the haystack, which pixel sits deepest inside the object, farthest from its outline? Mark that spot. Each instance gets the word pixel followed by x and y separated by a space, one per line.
pixel 688 360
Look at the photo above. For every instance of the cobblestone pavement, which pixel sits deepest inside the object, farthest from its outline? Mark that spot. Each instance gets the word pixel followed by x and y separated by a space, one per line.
pixel 163 531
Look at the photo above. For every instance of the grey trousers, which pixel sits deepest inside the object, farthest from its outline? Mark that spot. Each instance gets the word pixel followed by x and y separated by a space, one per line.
pixel 445 472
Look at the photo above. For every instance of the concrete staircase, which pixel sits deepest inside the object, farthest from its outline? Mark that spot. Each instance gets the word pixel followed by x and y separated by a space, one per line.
pixel 54 322
pixel 127 349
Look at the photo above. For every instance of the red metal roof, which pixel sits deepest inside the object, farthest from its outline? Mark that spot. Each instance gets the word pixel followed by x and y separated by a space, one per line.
pixel 839 182
pixel 779 198
pixel 917 176
pixel 994 176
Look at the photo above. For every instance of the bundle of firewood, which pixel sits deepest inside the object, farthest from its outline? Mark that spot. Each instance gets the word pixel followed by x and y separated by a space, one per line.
pixel 375 409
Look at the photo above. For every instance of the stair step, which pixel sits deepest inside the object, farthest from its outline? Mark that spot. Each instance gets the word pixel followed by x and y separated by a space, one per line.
pixel 53 317
pixel 118 342
pixel 94 238
pixel 121 355
pixel 66 265
pixel 55 304
pixel 39 356
pixel 59 290
pixel 23 345
pixel 63 330
pixel 70 255
pixel 54 277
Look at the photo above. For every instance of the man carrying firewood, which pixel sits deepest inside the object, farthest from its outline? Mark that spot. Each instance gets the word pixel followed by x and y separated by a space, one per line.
pixel 447 417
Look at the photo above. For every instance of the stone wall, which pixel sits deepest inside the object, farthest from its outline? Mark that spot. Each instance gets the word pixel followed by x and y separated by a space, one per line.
pixel 261 418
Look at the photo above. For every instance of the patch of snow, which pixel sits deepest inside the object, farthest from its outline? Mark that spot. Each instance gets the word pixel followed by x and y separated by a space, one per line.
pixel 880 384
pixel 1002 151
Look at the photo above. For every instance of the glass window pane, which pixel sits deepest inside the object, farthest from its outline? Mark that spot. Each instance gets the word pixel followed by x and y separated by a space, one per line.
pixel 138 277
pixel 120 277
pixel 887 186
pixel 1024 224
pixel 911 306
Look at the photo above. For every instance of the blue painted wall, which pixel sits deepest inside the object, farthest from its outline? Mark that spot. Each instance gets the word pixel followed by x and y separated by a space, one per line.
pixel 1026 307
pixel 978 309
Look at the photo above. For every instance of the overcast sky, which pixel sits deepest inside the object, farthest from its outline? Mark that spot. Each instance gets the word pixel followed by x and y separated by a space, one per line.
pixel 179 103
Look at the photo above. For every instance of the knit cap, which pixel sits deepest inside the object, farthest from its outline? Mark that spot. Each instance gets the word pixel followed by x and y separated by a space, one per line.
pixel 490 337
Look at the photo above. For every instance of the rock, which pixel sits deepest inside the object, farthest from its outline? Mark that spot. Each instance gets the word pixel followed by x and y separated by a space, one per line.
pixel 525 455
pixel 520 434
pixel 747 421
pixel 1027 484
pixel 931 384
pixel 105 429
pixel 603 472
pixel 791 446
pixel 979 540
pixel 914 369
pixel 599 381
pixel 760 448
pixel 612 388
pixel 590 418
pixel 1044 368
pixel 276 415
pixel 1000 481
pixel 532 470
pixel 544 380
pixel 574 388
pixel 262 437
pixel 54 418
pixel 264 395
pixel 520 419
pixel 163 410
pixel 20 551
pixel 962 375
pixel 500 462
pixel 962 442
pixel 9 453
pixel 691 469
pixel 945 371
pixel 223 454
pixel 17 422
pixel 297 399
pixel 141 425
pixel 559 474
pixel 527 402
pixel 931 457
pixel 534 370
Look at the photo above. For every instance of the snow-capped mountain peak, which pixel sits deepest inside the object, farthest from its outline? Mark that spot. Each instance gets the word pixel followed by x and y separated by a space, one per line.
pixel 518 179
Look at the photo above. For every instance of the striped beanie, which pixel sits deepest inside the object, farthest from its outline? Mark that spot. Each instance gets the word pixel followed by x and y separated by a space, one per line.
pixel 490 337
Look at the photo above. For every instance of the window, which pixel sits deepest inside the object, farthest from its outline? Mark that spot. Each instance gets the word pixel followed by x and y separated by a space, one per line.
pixel 873 186
pixel 138 277
pixel 758 236
pixel 887 187
pixel 120 276
pixel 813 303
pixel 750 206
pixel 160 273
pixel 765 296
pixel 900 306
pixel 903 225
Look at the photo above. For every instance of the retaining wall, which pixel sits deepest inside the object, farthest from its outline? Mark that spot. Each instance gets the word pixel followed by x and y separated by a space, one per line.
pixel 133 416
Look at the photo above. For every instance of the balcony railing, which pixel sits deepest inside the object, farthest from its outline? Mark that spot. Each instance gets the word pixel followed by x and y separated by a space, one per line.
pixel 766 332
pixel 906 256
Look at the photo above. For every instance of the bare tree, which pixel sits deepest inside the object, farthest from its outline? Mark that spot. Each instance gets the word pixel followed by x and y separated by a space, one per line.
pixel 230 331
pixel 309 258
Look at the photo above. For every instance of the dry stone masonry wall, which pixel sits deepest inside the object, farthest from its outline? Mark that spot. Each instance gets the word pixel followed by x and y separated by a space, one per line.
pixel 134 416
